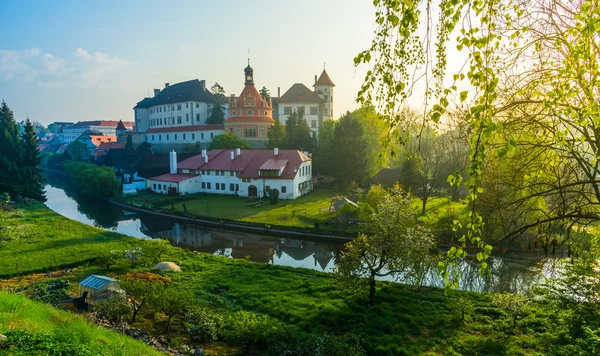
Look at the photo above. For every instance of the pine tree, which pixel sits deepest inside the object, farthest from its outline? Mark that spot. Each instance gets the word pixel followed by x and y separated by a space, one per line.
pixel 129 144
pixel 217 116
pixel 298 133
pixel 350 158
pixel 277 135
pixel 10 153
pixel 32 176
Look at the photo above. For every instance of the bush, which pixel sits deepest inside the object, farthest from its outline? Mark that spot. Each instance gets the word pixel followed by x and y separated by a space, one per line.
pixel 203 325
pixel 133 255
pixel 23 342
pixel 250 330
pixel 115 310
pixel 289 343
pixel 273 196
pixel 54 292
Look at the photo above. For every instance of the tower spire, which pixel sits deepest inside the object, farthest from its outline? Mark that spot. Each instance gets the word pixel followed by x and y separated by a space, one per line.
pixel 248 56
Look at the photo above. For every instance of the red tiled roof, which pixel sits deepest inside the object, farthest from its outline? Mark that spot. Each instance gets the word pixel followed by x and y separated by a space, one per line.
pixel 324 79
pixel 120 125
pixel 186 128
pixel 248 162
pixel 175 178
pixel 299 93
pixel 42 147
pixel 111 145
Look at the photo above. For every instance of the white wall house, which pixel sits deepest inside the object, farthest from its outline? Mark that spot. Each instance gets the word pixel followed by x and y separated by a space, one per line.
pixel 182 135
pixel 247 173
pixel 105 127
pixel 185 106
pixel 316 106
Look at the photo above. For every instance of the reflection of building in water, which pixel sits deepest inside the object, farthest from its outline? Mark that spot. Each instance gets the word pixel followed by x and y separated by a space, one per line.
pixel 256 248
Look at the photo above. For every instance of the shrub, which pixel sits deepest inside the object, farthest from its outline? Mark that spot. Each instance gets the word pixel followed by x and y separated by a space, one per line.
pixel 203 325
pixel 133 255
pixel 23 342
pixel 115 310
pixel 290 343
pixel 273 196
pixel 109 258
pixel 250 330
pixel 54 292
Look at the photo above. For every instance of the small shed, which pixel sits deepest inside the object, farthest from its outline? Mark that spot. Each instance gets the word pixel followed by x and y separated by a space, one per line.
pixel 336 205
pixel 96 289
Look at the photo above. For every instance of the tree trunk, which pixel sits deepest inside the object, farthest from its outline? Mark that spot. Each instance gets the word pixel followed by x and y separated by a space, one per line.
pixel 372 288
pixel 169 323
pixel 135 311
pixel 425 196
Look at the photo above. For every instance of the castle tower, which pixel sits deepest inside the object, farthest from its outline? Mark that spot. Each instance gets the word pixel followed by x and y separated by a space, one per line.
pixel 121 132
pixel 324 88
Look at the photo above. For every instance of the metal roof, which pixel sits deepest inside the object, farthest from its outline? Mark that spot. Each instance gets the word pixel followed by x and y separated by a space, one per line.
pixel 96 282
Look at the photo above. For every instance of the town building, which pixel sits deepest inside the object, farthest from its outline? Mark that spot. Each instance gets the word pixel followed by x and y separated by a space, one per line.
pixel 71 133
pixel 246 173
pixel 250 116
pixel 56 126
pixel 179 112
pixel 316 105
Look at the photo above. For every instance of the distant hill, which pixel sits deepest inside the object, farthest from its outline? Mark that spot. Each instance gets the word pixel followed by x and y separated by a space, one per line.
pixel 36 328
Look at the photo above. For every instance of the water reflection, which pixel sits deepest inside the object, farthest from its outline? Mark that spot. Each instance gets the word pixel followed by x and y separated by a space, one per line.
pixel 516 271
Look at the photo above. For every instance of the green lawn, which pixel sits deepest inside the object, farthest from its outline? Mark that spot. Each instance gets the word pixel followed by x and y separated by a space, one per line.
pixel 34 328
pixel 404 321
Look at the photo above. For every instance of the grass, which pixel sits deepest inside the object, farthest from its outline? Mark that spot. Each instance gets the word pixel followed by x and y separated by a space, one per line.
pixel 404 321
pixel 62 333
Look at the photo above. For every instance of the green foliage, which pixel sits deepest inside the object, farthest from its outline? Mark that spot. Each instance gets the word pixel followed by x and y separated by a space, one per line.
pixel 153 250
pixel 273 196
pixel 299 134
pixel 203 325
pixel 78 151
pixel 250 330
pixel 31 174
pixel 228 141
pixel 290 343
pixel 55 292
pixel 172 302
pixel 141 288
pixel 115 310
pixel 217 89
pixel 514 305
pixel 277 135
pixel 217 116
pixel 265 93
pixel 133 255
pixel 93 182
pixel 109 258
pixel 462 305
pixel 129 143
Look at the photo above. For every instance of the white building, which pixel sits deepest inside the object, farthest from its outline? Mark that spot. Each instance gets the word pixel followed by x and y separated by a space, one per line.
pixel 182 135
pixel 247 173
pixel 316 106
pixel 182 107
pixel 104 127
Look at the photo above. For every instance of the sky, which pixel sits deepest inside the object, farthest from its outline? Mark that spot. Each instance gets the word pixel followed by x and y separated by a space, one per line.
pixel 92 60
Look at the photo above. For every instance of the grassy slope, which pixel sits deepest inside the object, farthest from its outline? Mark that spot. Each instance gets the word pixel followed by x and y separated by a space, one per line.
pixel 404 321
pixel 20 313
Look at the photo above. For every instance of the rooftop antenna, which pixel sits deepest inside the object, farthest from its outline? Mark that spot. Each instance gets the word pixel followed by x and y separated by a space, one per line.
pixel 248 56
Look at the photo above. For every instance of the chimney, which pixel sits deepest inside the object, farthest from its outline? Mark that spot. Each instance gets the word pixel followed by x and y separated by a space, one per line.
pixel 276 151
pixel 156 91
pixel 315 79
pixel 279 92
pixel 166 85
pixel 173 162
pixel 231 154
pixel 206 159
pixel 203 153
pixel 238 152
pixel 203 84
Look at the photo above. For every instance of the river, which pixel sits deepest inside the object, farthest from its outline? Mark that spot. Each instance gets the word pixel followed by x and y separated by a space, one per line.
pixel 511 272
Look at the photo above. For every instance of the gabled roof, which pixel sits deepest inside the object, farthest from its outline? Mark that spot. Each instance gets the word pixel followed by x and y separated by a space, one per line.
pixel 192 90
pixel 97 140
pixel 300 93
pixel 120 126
pixel 324 79
pixel 96 282
pixel 174 178
pixel 186 128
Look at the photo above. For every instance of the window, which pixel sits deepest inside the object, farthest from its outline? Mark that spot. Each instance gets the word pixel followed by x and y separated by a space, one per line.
pixel 167 137
pixel 283 189
pixel 233 112
pixel 231 187
pixel 237 187
pixel 160 121
pixel 266 113
pixel 212 135
pixel 203 172
pixel 184 136
pixel 154 186
pixel 173 107
pixel 152 137
pixel 187 117
pixel 250 113
pixel 246 180
pixel 203 185
pixel 313 123
pixel 314 110
pixel 186 105
pixel 331 112
pixel 159 137
pixel 179 119
pixel 193 136
pixel 231 173
pixel 287 110
pixel 198 117
pixel 300 110
pixel 217 186
pixel 222 186
pixel 250 132
pixel 164 187
pixel 175 137
pixel 208 185
pixel 197 105
pixel 202 136
pixel 160 109
pixel 326 97
pixel 178 106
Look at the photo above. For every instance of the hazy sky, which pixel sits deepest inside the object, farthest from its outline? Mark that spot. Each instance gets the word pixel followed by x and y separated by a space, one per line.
pixel 90 60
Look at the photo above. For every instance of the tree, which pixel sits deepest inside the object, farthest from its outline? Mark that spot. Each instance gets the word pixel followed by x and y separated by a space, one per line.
pixel 216 116
pixel 228 141
pixel 10 153
pixel 322 158
pixel 265 93
pixel 248 329
pixel 141 287
pixel 350 156
pixel 129 144
pixel 298 133
pixel 109 258
pixel 143 149
pixel 217 89
pixel 31 175
pixel 277 135
pixel 172 302
pixel 515 305
pixel 395 245
pixel 93 182
pixel 78 151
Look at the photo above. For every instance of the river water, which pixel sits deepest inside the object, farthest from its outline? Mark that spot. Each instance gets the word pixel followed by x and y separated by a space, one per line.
pixel 510 272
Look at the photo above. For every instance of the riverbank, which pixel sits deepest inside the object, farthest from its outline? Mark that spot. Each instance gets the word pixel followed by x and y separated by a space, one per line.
pixel 404 320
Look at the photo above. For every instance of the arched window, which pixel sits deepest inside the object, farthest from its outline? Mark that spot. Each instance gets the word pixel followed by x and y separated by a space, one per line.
pixel 233 113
